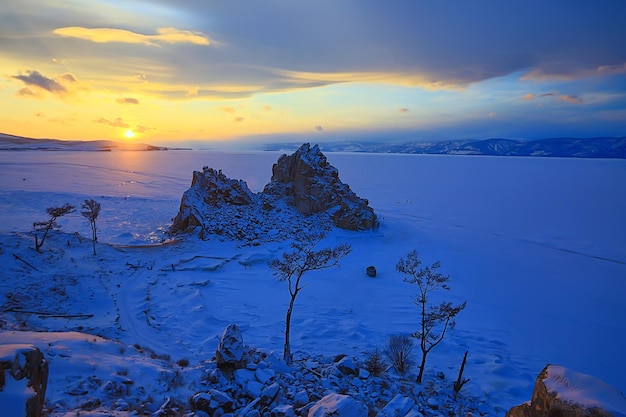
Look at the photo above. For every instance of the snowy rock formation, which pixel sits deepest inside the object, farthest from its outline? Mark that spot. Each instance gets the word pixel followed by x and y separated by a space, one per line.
pixel 561 392
pixel 304 194
pixel 23 380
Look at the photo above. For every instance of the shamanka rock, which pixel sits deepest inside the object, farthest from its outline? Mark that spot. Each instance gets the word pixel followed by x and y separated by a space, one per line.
pixel 561 392
pixel 305 194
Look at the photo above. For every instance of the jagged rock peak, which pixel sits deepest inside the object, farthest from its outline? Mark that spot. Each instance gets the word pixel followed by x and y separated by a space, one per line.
pixel 218 189
pixel 312 185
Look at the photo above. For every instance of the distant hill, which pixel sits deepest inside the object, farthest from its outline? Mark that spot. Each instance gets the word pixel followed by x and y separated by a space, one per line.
pixel 19 143
pixel 603 147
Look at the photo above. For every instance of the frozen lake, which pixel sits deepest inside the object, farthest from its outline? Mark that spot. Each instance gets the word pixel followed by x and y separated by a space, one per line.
pixel 537 246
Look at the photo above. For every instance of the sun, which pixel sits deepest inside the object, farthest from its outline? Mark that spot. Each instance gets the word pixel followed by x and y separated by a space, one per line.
pixel 129 134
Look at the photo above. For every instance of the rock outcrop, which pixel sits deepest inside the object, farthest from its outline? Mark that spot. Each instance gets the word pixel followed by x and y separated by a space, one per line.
pixel 304 194
pixel 210 191
pixel 23 380
pixel 560 392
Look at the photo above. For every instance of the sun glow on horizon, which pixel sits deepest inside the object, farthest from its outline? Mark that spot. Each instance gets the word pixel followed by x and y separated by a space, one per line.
pixel 129 134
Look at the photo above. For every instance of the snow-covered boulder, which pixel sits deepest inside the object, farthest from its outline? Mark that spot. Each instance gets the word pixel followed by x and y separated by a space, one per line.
pixel 561 392
pixel 399 406
pixel 338 405
pixel 283 410
pixel 23 380
pixel 230 349
pixel 347 366
pixel 211 401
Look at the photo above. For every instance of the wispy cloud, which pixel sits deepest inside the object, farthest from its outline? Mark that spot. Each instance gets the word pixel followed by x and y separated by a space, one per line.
pixel 127 100
pixel 36 79
pixel 117 122
pixel 36 83
pixel 107 35
pixel 569 98
pixel 319 128
pixel 403 110
pixel 229 109
pixel 144 129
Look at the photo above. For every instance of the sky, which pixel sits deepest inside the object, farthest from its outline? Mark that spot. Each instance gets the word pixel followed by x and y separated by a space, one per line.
pixel 173 71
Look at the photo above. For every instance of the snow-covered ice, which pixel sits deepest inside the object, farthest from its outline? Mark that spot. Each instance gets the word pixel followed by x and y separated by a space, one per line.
pixel 537 247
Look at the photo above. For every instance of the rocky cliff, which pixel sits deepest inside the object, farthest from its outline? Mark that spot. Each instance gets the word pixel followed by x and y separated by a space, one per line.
pixel 304 194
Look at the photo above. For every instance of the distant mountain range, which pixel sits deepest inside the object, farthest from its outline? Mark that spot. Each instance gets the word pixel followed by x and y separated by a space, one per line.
pixel 604 147
pixel 19 143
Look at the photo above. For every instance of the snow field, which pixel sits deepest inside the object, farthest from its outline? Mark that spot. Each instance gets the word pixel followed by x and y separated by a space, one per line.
pixel 536 246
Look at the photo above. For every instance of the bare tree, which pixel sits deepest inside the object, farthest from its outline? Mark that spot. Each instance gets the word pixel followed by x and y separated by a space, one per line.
pixel 51 223
pixel 294 264
pixel 91 210
pixel 435 320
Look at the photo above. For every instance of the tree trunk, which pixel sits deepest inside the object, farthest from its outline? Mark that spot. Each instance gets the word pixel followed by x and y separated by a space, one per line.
pixel 93 236
pixel 287 350
pixel 422 366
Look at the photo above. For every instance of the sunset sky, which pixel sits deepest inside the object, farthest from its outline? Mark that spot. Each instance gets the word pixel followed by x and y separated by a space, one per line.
pixel 165 72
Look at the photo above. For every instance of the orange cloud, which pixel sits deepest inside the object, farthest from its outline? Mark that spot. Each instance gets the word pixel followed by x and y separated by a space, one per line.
pixel 568 98
pixel 107 35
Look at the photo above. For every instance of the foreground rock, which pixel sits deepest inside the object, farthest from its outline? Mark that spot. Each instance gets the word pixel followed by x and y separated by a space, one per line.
pixel 23 380
pixel 230 349
pixel 560 392
pixel 261 384
pixel 337 405
pixel 304 194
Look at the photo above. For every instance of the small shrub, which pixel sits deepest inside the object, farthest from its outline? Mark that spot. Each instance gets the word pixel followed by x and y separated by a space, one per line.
pixel 183 362
pixel 375 363
pixel 398 350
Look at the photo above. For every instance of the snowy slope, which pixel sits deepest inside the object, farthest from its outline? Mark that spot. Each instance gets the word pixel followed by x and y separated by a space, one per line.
pixel 536 246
